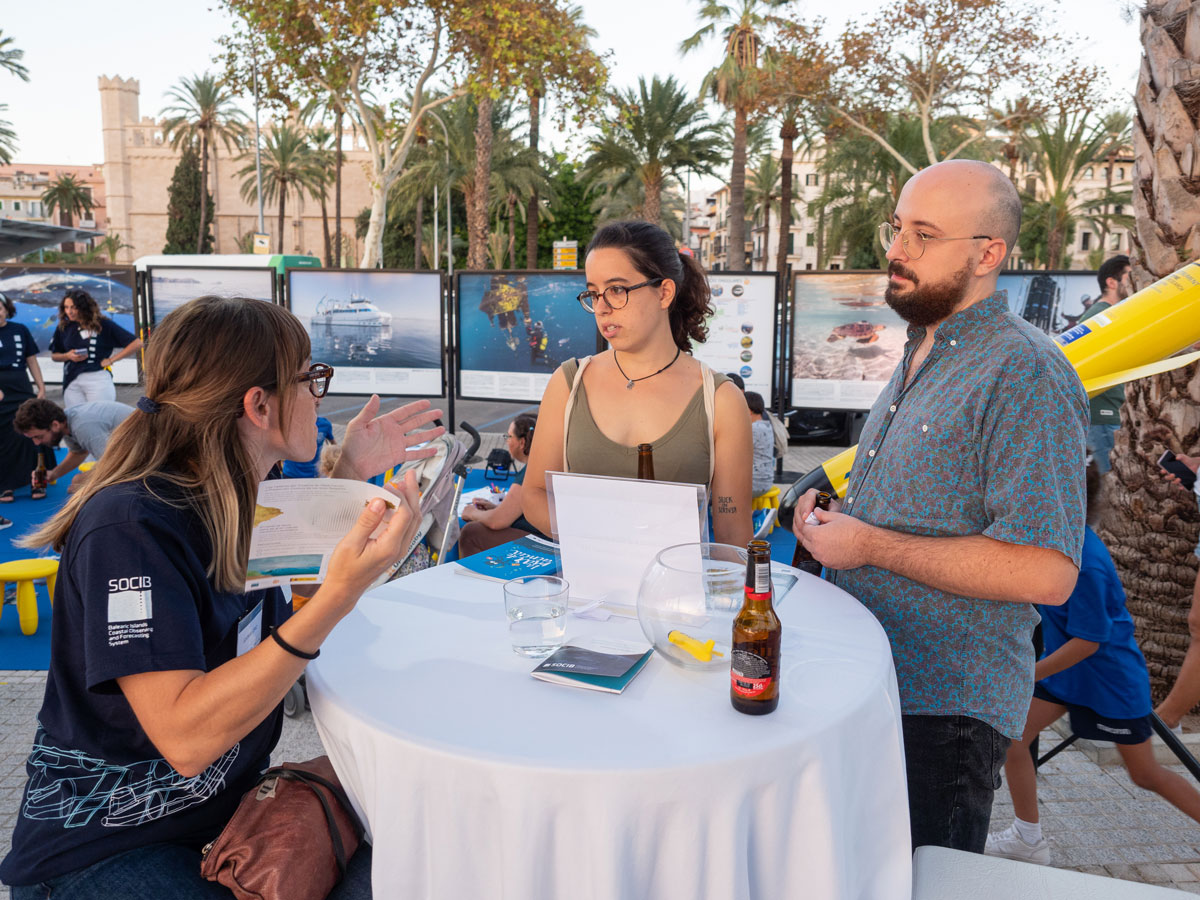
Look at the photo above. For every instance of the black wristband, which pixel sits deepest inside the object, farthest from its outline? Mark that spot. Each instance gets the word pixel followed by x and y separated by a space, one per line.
pixel 290 649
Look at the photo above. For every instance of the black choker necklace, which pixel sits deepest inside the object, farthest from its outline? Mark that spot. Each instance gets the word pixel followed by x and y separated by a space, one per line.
pixel 630 382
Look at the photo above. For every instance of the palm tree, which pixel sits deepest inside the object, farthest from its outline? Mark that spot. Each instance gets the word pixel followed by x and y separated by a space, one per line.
pixel 70 197
pixel 321 140
pixel 288 167
pixel 736 84
pixel 10 58
pixel 764 195
pixel 203 111
pixel 10 61
pixel 1149 526
pixel 656 133
pixel 320 108
pixel 1061 151
pixel 111 245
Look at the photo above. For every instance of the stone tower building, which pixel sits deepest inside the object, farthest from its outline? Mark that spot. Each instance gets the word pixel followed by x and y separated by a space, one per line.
pixel 139 164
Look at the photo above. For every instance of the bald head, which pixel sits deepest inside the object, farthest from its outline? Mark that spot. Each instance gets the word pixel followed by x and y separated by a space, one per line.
pixel 978 196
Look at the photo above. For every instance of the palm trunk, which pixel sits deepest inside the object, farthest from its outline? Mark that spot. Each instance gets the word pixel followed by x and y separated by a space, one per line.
pixel 420 231
pixel 652 207
pixel 531 208
pixel 203 191
pixel 477 213
pixel 511 212
pixel 325 228
pixel 1149 526
pixel 822 263
pixel 216 194
pixel 282 202
pixel 737 194
pixel 789 133
pixel 337 196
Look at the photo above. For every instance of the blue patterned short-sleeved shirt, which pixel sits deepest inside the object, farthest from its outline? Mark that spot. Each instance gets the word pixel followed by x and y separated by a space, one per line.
pixel 987 439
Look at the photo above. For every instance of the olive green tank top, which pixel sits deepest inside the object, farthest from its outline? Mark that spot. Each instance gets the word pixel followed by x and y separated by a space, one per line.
pixel 682 454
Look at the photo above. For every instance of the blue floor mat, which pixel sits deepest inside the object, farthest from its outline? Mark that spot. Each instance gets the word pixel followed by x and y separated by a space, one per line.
pixel 18 651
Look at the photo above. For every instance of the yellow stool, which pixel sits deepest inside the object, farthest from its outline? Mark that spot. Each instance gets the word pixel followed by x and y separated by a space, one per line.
pixel 768 499
pixel 22 572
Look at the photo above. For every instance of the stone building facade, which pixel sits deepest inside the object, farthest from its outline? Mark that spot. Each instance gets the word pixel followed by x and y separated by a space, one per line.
pixel 139 164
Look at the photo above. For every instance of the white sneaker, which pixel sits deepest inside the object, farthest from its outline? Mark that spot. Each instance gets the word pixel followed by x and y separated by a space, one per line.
pixel 1009 845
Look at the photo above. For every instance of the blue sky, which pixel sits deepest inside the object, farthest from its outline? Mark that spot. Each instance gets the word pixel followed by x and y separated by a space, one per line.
pixel 57 114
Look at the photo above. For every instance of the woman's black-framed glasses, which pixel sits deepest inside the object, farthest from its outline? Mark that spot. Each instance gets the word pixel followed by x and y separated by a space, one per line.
pixel 317 377
pixel 615 295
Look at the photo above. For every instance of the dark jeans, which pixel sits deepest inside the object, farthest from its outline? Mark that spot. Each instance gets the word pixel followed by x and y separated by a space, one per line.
pixel 163 871
pixel 954 765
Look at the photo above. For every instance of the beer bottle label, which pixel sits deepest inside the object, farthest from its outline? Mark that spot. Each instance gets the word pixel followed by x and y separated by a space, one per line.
pixel 750 673
pixel 762 578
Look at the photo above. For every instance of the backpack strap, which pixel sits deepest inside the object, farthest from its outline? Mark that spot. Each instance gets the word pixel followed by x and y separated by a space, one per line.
pixel 710 410
pixel 575 383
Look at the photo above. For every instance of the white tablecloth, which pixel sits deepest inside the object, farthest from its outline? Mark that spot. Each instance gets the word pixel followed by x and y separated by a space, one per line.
pixel 478 781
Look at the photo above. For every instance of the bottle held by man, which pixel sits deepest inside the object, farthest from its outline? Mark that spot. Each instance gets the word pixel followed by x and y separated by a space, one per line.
pixel 802 559
pixel 645 462
pixel 40 476
pixel 754 670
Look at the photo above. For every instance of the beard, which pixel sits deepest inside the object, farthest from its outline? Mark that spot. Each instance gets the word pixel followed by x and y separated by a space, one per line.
pixel 925 304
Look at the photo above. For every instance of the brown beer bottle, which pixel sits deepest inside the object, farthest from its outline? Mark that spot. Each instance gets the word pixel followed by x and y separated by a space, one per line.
pixel 802 559
pixel 40 480
pixel 754 670
pixel 645 462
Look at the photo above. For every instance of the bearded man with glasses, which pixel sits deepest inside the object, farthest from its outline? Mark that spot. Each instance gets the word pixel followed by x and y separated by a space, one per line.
pixel 965 505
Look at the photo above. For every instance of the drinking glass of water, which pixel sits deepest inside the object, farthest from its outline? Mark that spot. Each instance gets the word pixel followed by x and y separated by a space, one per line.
pixel 537 614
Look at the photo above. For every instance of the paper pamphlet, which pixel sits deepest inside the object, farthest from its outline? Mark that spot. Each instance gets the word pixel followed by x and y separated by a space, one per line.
pixel 298 522
pixel 610 529
pixel 483 493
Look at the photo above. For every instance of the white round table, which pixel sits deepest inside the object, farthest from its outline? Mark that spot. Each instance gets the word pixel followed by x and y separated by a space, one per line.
pixel 478 781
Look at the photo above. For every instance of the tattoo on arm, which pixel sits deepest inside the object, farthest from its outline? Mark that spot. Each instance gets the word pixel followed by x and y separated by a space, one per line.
pixel 725 505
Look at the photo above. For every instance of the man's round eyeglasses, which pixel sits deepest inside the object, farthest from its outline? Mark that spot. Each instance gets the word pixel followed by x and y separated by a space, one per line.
pixel 317 377
pixel 615 295
pixel 914 241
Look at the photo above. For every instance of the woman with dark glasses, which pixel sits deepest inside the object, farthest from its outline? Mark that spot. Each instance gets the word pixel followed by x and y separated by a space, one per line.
pixel 650 303
pixel 164 696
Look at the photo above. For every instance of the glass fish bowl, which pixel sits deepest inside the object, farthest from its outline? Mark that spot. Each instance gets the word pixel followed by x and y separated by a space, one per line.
pixel 687 600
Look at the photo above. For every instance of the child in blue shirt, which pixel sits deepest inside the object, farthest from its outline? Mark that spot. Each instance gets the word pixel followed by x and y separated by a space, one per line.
pixel 1093 670
pixel 309 469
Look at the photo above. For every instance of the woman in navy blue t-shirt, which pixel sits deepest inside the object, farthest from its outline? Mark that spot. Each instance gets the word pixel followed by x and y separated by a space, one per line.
pixel 164 695
pixel 18 361
pixel 87 343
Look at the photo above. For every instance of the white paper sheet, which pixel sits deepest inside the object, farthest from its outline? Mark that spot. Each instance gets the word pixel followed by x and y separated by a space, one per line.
pixel 610 530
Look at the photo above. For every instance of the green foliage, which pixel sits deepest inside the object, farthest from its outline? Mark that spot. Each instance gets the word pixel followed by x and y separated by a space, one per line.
pixel 183 206
pixel 573 212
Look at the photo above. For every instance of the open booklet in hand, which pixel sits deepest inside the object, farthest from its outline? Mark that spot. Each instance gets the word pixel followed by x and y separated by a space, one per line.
pixel 594 663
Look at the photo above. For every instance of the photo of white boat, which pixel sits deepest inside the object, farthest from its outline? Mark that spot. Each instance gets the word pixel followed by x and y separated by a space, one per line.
pixel 390 343
pixel 358 310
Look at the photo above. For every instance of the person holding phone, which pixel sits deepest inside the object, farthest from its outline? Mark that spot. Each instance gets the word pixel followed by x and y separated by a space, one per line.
pixel 87 343
pixel 1185 693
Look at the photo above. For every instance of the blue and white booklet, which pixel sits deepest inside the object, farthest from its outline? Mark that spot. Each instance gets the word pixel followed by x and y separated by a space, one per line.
pixel 596 664
pixel 525 556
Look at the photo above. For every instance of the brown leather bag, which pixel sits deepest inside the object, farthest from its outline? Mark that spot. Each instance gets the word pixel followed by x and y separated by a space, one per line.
pixel 290 837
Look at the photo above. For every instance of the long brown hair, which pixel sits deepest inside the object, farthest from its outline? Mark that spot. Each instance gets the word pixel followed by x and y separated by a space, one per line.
pixel 200 362
pixel 87 311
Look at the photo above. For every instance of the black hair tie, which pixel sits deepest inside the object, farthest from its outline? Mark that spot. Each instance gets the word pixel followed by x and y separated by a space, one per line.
pixel 148 406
